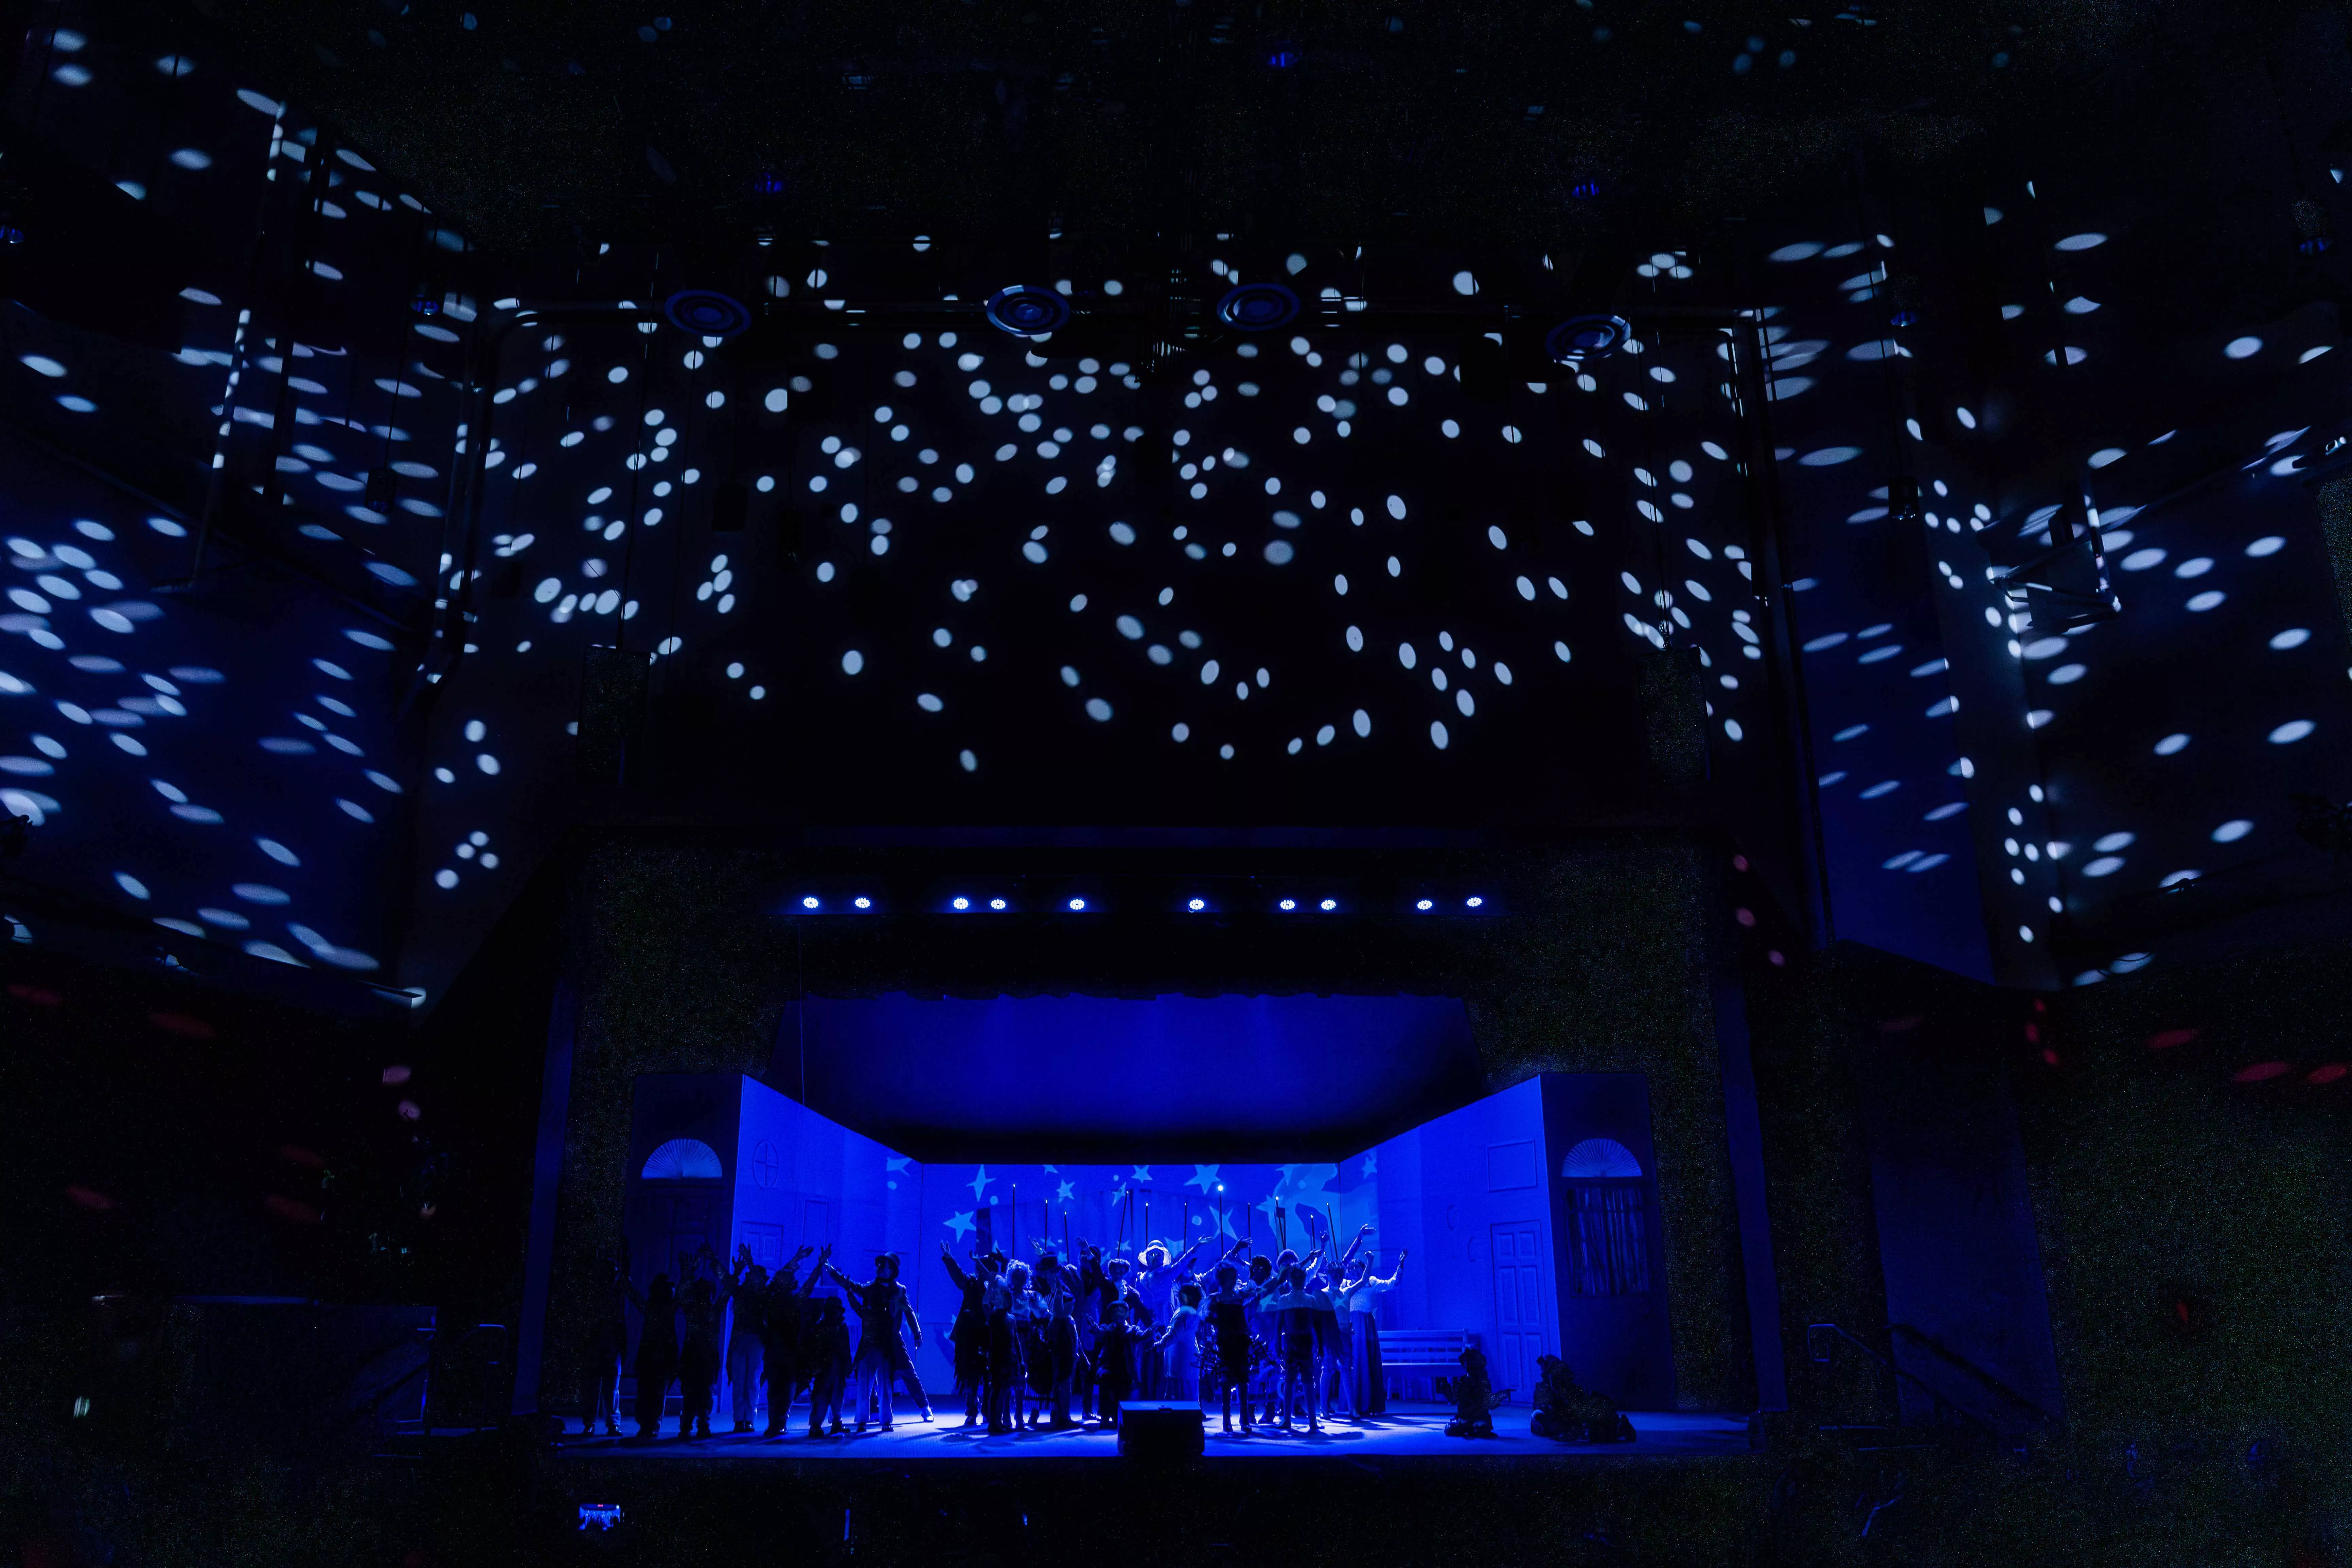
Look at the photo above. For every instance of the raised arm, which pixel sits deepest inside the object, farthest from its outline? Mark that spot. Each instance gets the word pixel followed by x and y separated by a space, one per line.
pixel 955 1270
pixel 636 1296
pixel 1395 1274
pixel 1350 1253
pixel 1189 1253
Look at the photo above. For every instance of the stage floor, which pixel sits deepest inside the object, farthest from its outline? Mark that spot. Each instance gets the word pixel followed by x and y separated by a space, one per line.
pixel 1406 1431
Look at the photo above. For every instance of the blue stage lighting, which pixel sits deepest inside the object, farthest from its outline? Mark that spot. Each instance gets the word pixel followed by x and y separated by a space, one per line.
pixel 1474 901
pixel 863 903
pixel 1581 338
pixel 996 903
pixel 1025 310
pixel 1257 307
pixel 962 903
pixel 706 313
pixel 1197 905
pixel 1331 904
pixel 766 184
pixel 1283 55
pixel 602 1515
pixel 810 902
pixel 1289 904
pixel 1078 903
pixel 1427 905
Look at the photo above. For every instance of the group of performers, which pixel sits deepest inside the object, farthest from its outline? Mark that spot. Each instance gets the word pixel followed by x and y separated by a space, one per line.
pixel 1057 1344
pixel 784 1333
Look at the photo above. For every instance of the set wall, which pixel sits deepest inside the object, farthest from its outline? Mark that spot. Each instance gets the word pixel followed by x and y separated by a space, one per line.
pixel 682 966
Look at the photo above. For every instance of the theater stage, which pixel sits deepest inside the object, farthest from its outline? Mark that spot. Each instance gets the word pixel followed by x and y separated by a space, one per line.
pixel 1409 1431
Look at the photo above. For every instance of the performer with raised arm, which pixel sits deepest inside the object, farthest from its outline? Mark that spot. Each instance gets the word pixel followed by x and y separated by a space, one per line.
pixel 1292 1306
pixel 881 1304
pixel 1265 1327
pixel 1156 1277
pixel 1088 1315
pixel 1176 1345
pixel 1359 1299
pixel 969 1334
pixel 786 1340
pixel 1331 1329
pixel 1004 1374
pixel 1229 1338
pixel 1057 1292
pixel 826 1347
pixel 747 1291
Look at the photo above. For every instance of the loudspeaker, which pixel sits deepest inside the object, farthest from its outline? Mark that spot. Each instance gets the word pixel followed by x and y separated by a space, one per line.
pixel 1164 1436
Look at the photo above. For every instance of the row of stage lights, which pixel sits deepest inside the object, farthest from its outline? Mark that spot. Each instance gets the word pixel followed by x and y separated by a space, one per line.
pixel 811 904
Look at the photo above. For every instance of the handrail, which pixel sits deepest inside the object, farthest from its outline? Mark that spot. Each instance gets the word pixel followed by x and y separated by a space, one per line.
pixel 1926 1341
pixel 1940 1404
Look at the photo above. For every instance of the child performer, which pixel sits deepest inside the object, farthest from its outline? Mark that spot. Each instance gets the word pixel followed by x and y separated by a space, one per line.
pixel 1229 1336
pixel 829 1333
pixel 1058 1288
pixel 1115 1346
pixel 1177 1347
pixel 1294 1309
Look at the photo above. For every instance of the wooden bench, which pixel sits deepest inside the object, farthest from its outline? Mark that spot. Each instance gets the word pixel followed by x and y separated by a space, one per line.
pixel 1425 1354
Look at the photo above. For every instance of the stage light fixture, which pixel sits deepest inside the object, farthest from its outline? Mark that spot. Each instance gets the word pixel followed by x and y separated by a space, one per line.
pixel 811 902
pixel 1289 904
pixel 1331 904
pixel 996 903
pixel 1257 307
pixel 1581 338
pixel 863 903
pixel 1474 901
pixel 1197 905
pixel 1078 904
pixel 706 313
pixel 1425 905
pixel 1025 310
pixel 963 903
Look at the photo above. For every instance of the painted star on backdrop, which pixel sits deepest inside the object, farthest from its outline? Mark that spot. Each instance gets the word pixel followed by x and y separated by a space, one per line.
pixel 1371 1165
pixel 1067 1194
pixel 980 1182
pixel 898 1161
pixel 1205 1178
pixel 1143 1172
pixel 961 1224
pixel 1053 1169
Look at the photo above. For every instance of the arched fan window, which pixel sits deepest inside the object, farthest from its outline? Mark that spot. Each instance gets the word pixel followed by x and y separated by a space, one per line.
pixel 682 1159
pixel 1608 1227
